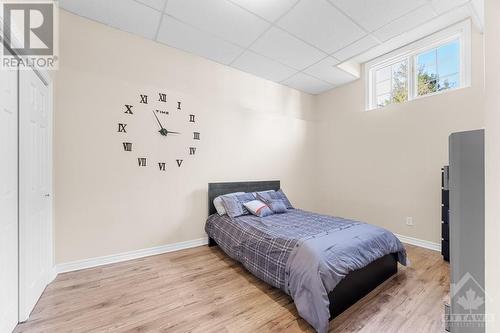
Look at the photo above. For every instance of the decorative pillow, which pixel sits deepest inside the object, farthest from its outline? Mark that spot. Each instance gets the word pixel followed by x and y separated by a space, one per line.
pixel 258 208
pixel 262 192
pixel 275 195
pixel 277 206
pixel 234 204
pixel 220 206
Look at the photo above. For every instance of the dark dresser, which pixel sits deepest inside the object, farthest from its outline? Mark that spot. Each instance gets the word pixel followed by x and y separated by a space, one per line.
pixel 445 214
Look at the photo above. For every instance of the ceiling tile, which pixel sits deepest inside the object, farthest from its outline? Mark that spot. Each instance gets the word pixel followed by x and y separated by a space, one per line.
pixel 130 16
pixel 327 71
pixel 261 66
pixel 442 6
pixel 270 10
pixel 187 38
pixel 356 48
pixel 372 14
pixel 156 4
pixel 219 17
pixel 96 10
pixel 286 49
pixel 405 23
pixel 320 24
pixel 309 84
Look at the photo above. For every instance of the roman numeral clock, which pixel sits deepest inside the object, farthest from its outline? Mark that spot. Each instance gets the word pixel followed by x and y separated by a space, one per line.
pixel 158 131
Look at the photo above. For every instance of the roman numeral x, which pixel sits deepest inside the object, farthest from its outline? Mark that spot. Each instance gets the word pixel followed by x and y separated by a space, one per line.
pixel 129 109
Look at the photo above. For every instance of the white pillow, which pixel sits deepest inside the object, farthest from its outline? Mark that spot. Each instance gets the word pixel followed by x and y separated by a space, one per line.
pixel 219 206
pixel 258 208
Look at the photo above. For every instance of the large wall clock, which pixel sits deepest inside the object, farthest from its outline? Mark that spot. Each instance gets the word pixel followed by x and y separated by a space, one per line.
pixel 158 131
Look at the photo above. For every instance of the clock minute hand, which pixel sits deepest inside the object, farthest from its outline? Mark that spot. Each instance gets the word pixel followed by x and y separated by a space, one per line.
pixel 158 120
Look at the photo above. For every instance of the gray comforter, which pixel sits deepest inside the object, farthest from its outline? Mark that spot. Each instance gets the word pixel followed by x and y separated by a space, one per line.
pixel 303 253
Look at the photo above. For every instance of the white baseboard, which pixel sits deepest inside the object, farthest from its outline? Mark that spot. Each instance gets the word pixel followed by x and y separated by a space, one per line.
pixel 419 242
pixel 111 259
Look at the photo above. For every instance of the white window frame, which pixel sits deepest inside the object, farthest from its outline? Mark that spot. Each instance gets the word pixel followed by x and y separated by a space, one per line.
pixel 460 31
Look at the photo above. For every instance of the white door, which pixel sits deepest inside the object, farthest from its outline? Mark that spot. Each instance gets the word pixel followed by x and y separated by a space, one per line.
pixel 8 201
pixel 35 190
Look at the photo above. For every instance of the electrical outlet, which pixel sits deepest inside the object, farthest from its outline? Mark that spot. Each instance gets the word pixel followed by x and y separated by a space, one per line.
pixel 409 221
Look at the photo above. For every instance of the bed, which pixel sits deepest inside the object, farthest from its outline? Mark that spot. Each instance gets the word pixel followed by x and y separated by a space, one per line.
pixel 324 263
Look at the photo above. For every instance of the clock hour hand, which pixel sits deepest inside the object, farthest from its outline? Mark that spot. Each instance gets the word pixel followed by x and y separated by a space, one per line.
pixel 165 132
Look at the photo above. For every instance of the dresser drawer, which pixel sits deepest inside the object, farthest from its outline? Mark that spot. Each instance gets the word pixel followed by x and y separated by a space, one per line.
pixel 445 231
pixel 445 214
pixel 445 198
pixel 445 250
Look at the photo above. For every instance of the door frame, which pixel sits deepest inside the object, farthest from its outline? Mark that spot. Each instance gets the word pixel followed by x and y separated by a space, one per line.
pixel 15 308
pixel 46 78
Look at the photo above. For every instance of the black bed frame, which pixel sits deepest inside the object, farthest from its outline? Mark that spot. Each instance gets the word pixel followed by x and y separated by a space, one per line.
pixel 353 287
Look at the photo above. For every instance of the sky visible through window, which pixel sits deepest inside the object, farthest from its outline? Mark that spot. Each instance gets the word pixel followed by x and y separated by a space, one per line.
pixel 439 69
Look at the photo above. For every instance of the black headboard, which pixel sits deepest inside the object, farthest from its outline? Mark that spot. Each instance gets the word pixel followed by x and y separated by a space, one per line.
pixel 216 189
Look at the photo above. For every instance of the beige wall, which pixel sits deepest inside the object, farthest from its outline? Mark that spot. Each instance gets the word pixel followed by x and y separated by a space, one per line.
pixel 492 53
pixel 384 165
pixel 252 129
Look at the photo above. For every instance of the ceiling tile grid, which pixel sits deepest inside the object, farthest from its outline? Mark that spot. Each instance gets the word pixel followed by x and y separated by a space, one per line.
pixel 192 40
pixel 287 49
pixel 298 43
pixel 256 64
pixel 321 24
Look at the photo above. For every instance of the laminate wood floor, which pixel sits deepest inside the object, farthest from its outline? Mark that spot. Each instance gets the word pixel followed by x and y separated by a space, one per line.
pixel 202 290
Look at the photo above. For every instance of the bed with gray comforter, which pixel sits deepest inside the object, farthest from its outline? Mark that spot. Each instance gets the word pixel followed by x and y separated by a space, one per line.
pixel 304 254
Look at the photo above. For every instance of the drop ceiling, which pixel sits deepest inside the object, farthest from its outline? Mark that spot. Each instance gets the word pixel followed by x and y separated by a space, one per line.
pixel 303 44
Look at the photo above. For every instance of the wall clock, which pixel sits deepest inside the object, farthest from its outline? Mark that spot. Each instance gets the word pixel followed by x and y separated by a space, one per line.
pixel 158 131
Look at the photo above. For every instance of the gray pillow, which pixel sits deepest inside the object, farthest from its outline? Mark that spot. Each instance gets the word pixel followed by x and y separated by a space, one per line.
pixel 234 204
pixel 275 195
pixel 218 203
pixel 277 206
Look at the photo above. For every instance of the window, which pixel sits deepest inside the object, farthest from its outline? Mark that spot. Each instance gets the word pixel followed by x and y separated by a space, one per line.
pixel 433 65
